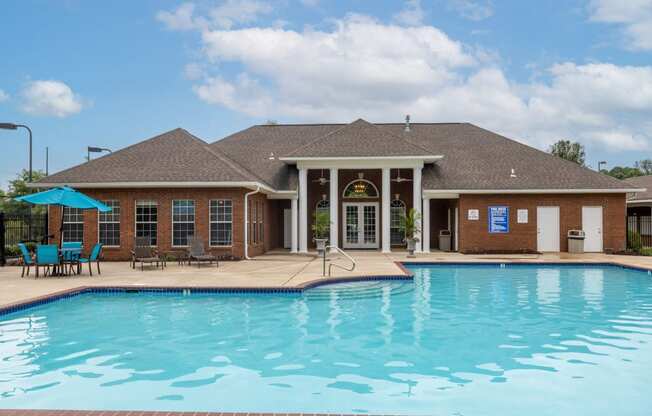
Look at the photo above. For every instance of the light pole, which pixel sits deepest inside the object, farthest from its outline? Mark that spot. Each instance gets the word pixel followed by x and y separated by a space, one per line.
pixel 12 126
pixel 92 149
pixel 600 163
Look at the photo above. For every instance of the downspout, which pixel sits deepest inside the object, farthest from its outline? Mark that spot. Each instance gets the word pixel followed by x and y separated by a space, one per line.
pixel 246 221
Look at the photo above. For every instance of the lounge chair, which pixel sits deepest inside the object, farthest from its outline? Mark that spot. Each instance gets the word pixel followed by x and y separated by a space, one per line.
pixel 28 260
pixel 143 252
pixel 197 253
pixel 47 255
pixel 96 256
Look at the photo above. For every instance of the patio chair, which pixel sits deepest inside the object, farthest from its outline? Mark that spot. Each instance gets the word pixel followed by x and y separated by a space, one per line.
pixel 96 256
pixel 70 253
pixel 47 255
pixel 28 260
pixel 143 252
pixel 197 253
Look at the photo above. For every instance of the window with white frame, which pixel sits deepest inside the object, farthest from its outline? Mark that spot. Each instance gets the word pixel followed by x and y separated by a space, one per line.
pixel 323 208
pixel 183 222
pixel 396 213
pixel 261 217
pixel 109 224
pixel 73 225
pixel 221 222
pixel 147 220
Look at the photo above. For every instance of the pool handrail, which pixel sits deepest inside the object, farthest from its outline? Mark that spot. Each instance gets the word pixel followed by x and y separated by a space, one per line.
pixel 339 250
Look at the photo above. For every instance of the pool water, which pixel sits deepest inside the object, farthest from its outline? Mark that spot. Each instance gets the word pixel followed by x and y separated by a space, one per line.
pixel 459 340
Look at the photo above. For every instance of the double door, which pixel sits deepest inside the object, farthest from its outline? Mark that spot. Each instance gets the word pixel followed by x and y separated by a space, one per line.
pixel 360 225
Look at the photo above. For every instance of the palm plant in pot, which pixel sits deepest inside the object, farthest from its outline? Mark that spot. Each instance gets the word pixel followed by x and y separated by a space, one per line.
pixel 411 227
pixel 321 226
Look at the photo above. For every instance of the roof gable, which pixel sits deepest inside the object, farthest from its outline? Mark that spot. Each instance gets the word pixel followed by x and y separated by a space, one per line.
pixel 358 139
pixel 174 156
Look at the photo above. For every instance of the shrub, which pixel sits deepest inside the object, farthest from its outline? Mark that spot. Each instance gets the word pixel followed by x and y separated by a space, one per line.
pixel 634 241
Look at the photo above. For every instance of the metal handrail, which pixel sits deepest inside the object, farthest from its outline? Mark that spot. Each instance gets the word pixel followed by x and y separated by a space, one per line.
pixel 339 250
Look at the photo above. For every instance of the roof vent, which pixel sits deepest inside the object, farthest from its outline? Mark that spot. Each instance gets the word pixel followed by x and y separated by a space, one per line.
pixel 513 173
pixel 271 156
pixel 407 123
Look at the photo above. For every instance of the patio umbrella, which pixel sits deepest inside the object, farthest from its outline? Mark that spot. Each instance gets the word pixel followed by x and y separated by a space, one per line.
pixel 64 196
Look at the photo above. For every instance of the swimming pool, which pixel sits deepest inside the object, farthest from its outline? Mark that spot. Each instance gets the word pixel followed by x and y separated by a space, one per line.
pixel 459 340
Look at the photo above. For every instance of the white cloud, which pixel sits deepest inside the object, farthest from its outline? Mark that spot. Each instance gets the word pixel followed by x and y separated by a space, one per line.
pixel 50 98
pixel 634 15
pixel 225 16
pixel 411 15
pixel 310 3
pixel 472 9
pixel 361 67
pixel 3 96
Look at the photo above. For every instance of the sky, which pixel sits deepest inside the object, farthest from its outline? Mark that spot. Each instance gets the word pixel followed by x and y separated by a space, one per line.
pixel 110 74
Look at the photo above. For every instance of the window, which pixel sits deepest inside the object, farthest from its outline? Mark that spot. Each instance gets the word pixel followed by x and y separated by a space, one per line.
pixel 260 221
pixel 109 224
pixel 254 222
pixel 396 212
pixel 221 219
pixel 146 220
pixel 183 222
pixel 361 188
pixel 73 225
pixel 323 208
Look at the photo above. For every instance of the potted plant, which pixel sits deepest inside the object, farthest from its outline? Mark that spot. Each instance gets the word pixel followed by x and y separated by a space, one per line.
pixel 410 226
pixel 321 226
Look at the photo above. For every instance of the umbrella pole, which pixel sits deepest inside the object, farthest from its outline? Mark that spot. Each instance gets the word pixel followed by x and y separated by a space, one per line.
pixel 61 228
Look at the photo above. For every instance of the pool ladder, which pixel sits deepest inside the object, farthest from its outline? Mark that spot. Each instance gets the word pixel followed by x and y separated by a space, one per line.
pixel 331 265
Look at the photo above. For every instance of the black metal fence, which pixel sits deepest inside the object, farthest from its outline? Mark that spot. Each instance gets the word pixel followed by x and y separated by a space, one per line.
pixel 639 232
pixel 21 228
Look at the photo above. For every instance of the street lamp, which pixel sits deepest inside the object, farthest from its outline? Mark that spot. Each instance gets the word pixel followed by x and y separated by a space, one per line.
pixel 602 162
pixel 12 126
pixel 92 149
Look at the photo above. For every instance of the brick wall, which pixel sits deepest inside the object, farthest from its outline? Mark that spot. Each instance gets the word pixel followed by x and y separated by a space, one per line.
pixel 474 235
pixel 164 197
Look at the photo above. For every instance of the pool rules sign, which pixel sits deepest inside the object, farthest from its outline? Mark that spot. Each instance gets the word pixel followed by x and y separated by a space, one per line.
pixel 498 219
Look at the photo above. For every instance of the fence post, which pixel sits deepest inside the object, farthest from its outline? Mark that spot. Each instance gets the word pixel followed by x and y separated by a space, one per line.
pixel 2 239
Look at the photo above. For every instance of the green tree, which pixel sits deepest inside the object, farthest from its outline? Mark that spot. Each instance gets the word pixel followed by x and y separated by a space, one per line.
pixel 18 187
pixel 572 151
pixel 623 172
pixel 645 166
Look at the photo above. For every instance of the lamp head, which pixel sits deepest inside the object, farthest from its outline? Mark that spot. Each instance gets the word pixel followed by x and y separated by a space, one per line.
pixel 8 126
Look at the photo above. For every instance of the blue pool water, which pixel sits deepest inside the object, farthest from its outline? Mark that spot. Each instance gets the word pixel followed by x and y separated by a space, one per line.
pixel 459 340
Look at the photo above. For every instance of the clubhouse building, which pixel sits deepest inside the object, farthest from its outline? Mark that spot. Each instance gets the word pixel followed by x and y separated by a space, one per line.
pixel 258 190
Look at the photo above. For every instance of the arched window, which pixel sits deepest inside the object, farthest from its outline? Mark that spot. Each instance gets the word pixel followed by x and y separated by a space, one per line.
pixel 360 188
pixel 396 212
pixel 323 206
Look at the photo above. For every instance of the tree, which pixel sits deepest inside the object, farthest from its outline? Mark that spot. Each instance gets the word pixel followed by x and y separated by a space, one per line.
pixel 572 151
pixel 623 172
pixel 18 187
pixel 645 166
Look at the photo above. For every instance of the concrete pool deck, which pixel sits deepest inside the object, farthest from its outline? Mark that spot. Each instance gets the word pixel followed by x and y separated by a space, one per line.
pixel 272 270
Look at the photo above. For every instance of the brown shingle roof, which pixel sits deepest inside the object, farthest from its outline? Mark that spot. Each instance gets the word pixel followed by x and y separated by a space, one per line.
pixel 359 139
pixel 175 156
pixel 644 182
pixel 474 158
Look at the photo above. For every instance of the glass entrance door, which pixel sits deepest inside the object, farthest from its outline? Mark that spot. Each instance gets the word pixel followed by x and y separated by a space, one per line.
pixel 360 224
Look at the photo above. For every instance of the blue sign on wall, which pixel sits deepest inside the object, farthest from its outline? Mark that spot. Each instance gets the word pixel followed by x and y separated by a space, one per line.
pixel 499 220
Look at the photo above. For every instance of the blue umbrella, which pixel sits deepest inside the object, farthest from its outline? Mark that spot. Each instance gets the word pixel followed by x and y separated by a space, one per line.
pixel 64 196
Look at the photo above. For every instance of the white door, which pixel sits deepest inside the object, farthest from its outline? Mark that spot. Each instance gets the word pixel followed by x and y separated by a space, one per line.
pixel 548 229
pixel 287 228
pixel 592 226
pixel 360 225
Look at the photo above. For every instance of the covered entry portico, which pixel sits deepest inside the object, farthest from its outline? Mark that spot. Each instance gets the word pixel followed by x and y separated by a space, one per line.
pixel 361 194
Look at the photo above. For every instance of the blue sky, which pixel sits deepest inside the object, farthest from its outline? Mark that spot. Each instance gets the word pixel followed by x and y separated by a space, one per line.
pixel 113 73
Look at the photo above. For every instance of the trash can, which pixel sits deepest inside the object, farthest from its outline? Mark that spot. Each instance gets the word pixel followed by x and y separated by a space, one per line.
pixel 576 241
pixel 445 240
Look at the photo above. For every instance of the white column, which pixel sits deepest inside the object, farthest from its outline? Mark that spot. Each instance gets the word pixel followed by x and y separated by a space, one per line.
pixel 426 225
pixel 334 207
pixel 303 210
pixel 386 198
pixel 416 198
pixel 295 221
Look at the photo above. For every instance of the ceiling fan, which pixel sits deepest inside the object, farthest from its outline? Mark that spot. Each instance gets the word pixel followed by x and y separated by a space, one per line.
pixel 321 180
pixel 399 179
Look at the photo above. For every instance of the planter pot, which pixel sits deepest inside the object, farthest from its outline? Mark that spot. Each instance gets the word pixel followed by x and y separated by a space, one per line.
pixel 411 246
pixel 321 245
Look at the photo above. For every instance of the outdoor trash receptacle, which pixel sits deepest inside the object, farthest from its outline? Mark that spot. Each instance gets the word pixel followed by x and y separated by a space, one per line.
pixel 445 240
pixel 576 241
